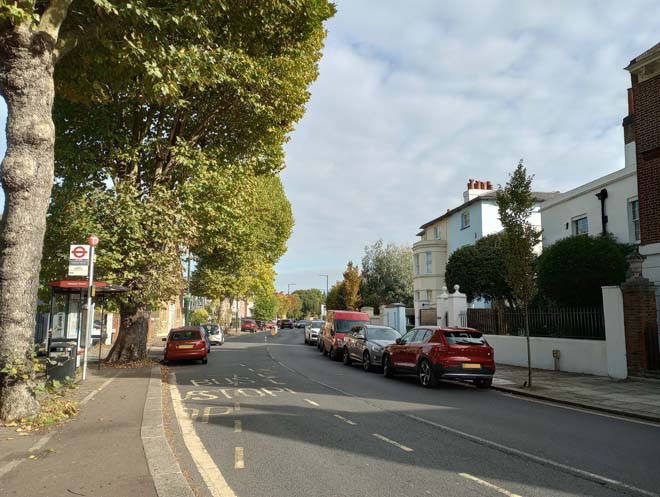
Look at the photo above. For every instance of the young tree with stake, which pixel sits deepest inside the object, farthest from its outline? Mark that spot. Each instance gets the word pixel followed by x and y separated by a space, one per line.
pixel 515 203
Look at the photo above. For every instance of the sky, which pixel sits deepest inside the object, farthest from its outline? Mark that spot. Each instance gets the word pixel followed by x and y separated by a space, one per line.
pixel 414 98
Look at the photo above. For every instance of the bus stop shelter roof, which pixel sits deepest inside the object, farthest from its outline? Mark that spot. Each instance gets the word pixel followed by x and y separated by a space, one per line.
pixel 75 286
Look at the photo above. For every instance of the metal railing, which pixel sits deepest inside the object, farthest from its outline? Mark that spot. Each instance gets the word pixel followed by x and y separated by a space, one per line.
pixel 580 322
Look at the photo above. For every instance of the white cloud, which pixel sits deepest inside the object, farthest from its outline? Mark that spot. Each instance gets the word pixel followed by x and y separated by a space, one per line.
pixel 414 98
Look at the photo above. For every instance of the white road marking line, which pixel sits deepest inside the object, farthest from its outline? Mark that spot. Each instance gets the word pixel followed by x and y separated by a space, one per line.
pixel 91 394
pixel 503 448
pixel 239 459
pixel 250 369
pixel 9 466
pixel 312 402
pixel 542 460
pixel 396 444
pixel 345 420
pixel 242 365
pixel 205 416
pixel 489 485
pixel 212 476
pixel 237 406
pixel 238 426
pixel 42 441
pixel 289 390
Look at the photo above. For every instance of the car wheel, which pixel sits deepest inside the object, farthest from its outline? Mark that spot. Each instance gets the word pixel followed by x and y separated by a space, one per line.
pixel 347 357
pixel 205 360
pixel 388 370
pixel 366 362
pixel 483 382
pixel 331 353
pixel 426 375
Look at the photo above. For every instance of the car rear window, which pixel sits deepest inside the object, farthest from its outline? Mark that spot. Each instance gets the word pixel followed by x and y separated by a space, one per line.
pixel 464 338
pixel 317 324
pixel 345 325
pixel 185 335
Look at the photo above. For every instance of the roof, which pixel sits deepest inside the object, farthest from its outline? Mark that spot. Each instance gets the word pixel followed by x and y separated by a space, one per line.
pixel 491 195
pixel 655 49
pixel 72 286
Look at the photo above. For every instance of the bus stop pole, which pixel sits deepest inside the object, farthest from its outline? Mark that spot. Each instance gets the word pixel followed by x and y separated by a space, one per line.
pixel 90 311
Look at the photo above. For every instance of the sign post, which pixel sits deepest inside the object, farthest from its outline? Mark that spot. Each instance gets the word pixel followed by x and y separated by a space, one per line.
pixel 93 241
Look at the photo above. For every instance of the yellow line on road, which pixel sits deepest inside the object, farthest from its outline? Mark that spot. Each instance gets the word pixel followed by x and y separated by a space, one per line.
pixel 239 460
pixel 238 426
pixel 205 416
pixel 390 441
pixel 345 420
pixel 311 402
pixel 489 485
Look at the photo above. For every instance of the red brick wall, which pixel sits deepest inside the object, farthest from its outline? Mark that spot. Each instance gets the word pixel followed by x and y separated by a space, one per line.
pixel 647 140
pixel 641 328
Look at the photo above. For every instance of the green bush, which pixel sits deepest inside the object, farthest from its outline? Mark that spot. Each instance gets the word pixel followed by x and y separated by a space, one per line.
pixel 572 271
pixel 199 316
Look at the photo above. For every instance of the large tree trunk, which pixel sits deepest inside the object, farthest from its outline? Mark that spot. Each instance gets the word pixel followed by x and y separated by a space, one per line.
pixel 26 84
pixel 131 344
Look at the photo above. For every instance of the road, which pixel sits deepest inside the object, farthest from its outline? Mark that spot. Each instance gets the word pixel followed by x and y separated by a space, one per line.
pixel 277 419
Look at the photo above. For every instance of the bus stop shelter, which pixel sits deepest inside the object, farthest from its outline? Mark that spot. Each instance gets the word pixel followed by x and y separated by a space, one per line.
pixel 66 324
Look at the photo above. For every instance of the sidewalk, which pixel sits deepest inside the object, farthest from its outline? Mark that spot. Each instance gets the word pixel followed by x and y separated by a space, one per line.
pixel 99 452
pixel 638 398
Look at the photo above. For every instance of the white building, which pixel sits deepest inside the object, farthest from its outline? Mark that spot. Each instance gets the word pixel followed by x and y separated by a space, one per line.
pixel 475 218
pixel 607 204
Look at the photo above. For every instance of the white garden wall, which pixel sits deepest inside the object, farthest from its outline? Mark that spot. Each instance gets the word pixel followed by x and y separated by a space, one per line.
pixel 576 356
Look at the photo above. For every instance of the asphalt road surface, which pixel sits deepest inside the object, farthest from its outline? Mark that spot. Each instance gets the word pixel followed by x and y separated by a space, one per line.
pixel 278 419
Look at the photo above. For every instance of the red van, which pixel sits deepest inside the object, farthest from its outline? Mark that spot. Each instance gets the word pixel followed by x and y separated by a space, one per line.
pixel 337 325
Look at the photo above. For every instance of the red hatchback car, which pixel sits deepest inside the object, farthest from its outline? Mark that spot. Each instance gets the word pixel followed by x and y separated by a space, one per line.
pixel 431 353
pixel 186 343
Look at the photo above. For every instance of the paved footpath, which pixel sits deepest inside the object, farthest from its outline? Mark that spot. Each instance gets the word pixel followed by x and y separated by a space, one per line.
pixel 98 453
pixel 639 398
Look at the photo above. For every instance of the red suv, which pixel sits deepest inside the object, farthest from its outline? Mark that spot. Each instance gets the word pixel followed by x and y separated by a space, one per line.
pixel 431 353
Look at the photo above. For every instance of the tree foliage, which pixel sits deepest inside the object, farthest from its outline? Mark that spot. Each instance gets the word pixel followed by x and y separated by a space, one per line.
pixel 335 297
pixel 572 271
pixel 199 316
pixel 351 287
pixel 310 302
pixel 387 275
pixel 479 270
pixel 288 305
pixel 181 113
pixel 265 307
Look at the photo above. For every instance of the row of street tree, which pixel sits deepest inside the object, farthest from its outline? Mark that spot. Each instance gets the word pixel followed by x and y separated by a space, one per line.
pixel 159 125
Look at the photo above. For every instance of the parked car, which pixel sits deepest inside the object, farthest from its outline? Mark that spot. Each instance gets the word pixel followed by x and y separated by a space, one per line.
pixel 302 323
pixel 186 343
pixel 214 333
pixel 285 323
pixel 366 343
pixel 432 352
pixel 271 324
pixel 248 325
pixel 312 331
pixel 337 325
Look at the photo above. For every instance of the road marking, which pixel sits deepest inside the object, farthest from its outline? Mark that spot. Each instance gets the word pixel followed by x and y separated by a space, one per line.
pixel 389 441
pixel 239 460
pixel 238 426
pixel 91 394
pixel 242 365
pixel 503 448
pixel 489 485
pixel 312 402
pixel 345 420
pixel 542 460
pixel 212 476
pixel 289 390
pixel 250 369
pixel 205 416
pixel 237 406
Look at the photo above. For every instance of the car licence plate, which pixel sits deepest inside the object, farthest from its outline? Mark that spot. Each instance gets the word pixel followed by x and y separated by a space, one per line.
pixel 471 366
pixel 185 347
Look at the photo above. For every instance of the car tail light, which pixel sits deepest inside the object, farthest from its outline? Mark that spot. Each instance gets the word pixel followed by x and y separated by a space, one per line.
pixel 200 345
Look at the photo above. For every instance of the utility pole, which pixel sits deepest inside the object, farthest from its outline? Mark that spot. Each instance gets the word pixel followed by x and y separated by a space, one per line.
pixel 326 284
pixel 93 241
pixel 288 288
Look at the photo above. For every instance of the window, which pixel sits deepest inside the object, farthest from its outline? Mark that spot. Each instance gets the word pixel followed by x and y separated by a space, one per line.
pixel 465 220
pixel 429 295
pixel 633 216
pixel 429 262
pixel 464 338
pixel 407 338
pixel 416 263
pixel 581 226
pixel 436 232
pixel 421 335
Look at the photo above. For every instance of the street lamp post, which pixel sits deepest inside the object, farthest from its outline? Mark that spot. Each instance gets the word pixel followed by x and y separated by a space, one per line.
pixel 326 284
pixel 288 287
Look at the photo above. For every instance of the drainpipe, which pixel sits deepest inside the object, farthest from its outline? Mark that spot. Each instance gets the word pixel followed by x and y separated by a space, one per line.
pixel 602 195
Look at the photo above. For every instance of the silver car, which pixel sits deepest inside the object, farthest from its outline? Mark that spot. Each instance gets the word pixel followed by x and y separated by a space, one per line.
pixel 365 344
pixel 214 333
pixel 312 331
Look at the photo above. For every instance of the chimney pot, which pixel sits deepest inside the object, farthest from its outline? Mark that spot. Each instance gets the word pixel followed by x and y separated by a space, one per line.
pixel 482 185
pixel 470 184
pixel 489 185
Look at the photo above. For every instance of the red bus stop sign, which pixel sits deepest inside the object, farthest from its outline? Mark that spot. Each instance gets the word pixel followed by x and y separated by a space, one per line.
pixel 93 240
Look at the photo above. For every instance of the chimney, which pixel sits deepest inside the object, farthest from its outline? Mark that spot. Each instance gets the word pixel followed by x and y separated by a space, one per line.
pixel 489 185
